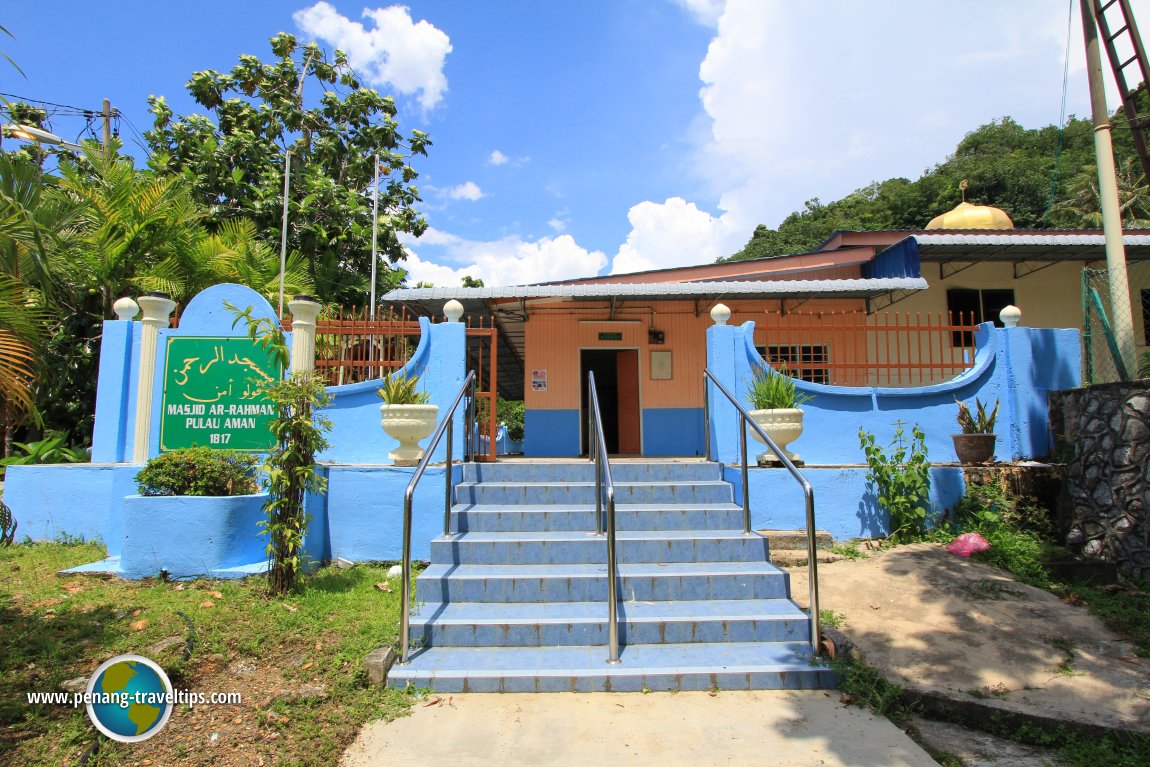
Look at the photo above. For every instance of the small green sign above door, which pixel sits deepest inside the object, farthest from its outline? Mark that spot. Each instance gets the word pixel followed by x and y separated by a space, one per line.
pixel 610 336
pixel 212 394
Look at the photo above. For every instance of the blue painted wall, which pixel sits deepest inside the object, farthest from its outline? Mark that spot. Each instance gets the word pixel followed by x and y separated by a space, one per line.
pixel 551 433
pixel 673 431
pixel 1017 366
pixel 844 506
pixel 83 500
pixel 364 511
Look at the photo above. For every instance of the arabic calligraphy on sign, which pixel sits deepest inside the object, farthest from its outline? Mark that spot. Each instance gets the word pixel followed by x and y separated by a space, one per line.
pixel 213 393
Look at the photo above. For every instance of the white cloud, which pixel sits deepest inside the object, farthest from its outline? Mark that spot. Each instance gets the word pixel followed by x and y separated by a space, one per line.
pixel 399 53
pixel 498 158
pixel 509 261
pixel 706 12
pixel 557 224
pixel 468 190
pixel 672 233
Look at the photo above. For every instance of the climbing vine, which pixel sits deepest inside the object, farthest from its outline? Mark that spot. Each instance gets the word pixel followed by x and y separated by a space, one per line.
pixel 290 465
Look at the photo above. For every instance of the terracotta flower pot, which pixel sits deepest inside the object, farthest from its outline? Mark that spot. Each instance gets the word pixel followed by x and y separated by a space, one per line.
pixel 974 448
pixel 408 424
pixel 783 426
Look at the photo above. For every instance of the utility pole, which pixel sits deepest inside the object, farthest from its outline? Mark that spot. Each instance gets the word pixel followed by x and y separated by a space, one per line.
pixel 1121 319
pixel 107 127
pixel 374 235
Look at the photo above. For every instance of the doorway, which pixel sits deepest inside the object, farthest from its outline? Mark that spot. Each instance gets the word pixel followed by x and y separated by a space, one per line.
pixel 617 384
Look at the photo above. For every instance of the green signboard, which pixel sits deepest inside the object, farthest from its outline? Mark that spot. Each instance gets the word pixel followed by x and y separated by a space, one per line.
pixel 610 336
pixel 212 394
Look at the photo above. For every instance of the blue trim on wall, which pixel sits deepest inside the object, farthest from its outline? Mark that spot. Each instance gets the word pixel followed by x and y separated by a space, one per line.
pixel 550 433
pixel 673 431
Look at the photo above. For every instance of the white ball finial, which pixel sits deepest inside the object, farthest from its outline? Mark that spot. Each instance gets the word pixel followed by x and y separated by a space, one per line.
pixel 1010 316
pixel 453 310
pixel 720 314
pixel 126 309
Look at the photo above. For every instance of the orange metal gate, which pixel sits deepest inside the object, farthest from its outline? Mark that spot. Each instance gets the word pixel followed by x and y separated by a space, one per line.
pixel 483 358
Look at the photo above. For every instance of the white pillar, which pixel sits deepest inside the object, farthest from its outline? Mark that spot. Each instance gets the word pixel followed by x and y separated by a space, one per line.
pixel 304 310
pixel 156 307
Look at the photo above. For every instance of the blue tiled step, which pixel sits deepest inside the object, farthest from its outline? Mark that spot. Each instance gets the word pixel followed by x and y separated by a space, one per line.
pixel 584 471
pixel 541 624
pixel 566 493
pixel 723 666
pixel 585 547
pixel 588 582
pixel 628 516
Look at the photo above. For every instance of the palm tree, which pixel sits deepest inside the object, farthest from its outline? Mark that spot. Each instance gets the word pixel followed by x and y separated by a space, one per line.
pixel 1083 209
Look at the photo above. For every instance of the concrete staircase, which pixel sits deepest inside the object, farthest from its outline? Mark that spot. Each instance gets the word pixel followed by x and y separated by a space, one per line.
pixel 516 599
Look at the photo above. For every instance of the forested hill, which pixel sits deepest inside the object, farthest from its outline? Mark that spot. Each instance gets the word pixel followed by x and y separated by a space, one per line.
pixel 1007 165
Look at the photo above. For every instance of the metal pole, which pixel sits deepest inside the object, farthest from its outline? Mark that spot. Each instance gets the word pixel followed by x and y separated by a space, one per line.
pixel 746 483
pixel 374 234
pixel 812 569
pixel 283 233
pixel 612 581
pixel 447 493
pixel 706 417
pixel 405 594
pixel 1121 317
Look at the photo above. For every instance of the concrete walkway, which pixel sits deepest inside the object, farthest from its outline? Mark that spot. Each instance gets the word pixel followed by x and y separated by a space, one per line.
pixel 970 636
pixel 607 729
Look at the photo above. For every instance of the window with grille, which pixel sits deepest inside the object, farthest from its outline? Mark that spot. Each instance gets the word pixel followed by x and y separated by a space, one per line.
pixel 974 305
pixel 803 361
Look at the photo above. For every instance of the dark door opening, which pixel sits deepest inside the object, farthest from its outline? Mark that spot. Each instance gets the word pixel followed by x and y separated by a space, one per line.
pixel 617 384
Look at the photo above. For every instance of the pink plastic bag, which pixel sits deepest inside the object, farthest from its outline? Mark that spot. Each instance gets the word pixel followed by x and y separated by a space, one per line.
pixel 966 544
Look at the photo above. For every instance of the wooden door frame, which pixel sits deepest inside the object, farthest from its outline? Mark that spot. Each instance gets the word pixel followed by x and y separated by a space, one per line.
pixel 639 372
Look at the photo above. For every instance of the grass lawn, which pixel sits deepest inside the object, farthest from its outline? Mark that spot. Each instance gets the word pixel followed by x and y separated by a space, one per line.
pixel 297 661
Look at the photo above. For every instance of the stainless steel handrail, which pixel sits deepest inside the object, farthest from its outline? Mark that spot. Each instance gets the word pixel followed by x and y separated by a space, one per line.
pixel 603 472
pixel 445 425
pixel 808 491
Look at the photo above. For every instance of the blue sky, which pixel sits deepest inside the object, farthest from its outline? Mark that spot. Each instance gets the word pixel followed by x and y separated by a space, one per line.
pixel 598 136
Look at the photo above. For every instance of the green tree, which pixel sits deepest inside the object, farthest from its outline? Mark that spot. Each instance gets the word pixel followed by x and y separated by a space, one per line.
pixel 235 160
pixel 100 231
pixel 1027 173
pixel 472 282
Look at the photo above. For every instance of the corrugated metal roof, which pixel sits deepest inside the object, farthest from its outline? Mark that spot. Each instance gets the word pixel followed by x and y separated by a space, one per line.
pixel 1029 246
pixel 1026 239
pixel 856 288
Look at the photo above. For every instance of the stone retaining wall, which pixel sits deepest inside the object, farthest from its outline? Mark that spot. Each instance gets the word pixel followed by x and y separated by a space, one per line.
pixel 1104 433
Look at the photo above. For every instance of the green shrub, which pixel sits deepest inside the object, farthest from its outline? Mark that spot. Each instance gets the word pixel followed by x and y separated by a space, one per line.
pixel 982 424
pixel 400 390
pixel 507 411
pixel 901 481
pixel 50 449
pixel 772 390
pixel 198 471
pixel 1014 529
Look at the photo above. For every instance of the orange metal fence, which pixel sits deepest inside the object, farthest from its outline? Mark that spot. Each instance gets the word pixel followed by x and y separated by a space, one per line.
pixel 351 347
pixel 855 349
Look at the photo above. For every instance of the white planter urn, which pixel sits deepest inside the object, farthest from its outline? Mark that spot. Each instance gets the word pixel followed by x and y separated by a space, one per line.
pixel 783 426
pixel 408 424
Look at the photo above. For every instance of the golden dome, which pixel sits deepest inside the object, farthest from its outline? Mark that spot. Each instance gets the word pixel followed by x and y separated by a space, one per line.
pixel 967 216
